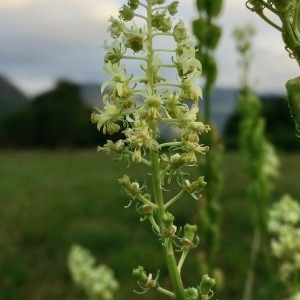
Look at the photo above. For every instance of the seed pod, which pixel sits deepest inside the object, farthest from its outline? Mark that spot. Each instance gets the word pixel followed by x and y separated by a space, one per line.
pixel 206 284
pixel 293 97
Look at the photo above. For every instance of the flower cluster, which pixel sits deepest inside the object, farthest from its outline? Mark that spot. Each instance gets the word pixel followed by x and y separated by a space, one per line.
pixel 139 105
pixel 136 103
pixel 98 282
pixel 284 225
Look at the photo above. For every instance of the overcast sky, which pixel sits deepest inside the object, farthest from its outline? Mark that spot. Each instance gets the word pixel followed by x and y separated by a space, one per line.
pixel 46 40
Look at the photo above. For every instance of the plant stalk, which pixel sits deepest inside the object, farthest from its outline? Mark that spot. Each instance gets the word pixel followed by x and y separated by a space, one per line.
pixel 155 172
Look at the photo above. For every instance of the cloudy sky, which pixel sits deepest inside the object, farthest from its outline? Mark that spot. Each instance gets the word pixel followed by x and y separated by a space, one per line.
pixel 46 40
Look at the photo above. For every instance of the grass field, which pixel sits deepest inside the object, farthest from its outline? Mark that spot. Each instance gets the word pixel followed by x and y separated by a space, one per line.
pixel 52 199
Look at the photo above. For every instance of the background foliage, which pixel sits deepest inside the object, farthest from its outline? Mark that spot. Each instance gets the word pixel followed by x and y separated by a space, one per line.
pixel 60 118
pixel 280 128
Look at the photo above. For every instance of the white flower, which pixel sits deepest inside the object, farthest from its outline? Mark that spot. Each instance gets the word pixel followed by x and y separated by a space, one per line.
pixel 118 83
pixel 98 282
pixel 187 63
pixel 284 224
pixel 107 118
pixel 271 162
pixel 189 90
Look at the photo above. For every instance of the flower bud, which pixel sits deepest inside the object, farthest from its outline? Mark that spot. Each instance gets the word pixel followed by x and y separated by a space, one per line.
pixel 177 160
pixel 180 32
pixel 160 22
pixel 140 274
pixel 189 234
pixel 206 284
pixel 127 102
pixel 192 293
pixel 119 146
pixel 168 228
pixel 112 128
pixel 116 27
pixel 132 189
pixel 148 209
pixel 189 231
pixel 168 220
pixel 143 279
pixel 137 155
pixel 134 4
pixel 199 183
pixel 134 39
pixel 126 13
pixel 153 104
pixel 112 57
pixel 172 8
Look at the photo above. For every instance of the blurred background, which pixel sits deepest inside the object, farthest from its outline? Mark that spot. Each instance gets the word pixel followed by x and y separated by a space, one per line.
pixel 55 190
pixel 53 47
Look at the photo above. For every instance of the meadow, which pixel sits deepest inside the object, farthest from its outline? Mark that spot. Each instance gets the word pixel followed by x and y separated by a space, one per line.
pixel 50 200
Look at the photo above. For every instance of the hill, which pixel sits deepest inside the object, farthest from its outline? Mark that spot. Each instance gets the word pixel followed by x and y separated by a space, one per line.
pixel 11 98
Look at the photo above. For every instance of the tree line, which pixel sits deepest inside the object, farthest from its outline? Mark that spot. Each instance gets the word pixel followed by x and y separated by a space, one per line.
pixel 56 118
pixel 61 118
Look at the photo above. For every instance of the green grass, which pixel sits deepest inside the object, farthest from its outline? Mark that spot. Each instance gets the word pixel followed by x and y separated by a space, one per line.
pixel 50 200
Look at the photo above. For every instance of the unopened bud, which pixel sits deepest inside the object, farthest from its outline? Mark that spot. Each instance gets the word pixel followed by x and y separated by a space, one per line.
pixel 132 189
pixel 177 160
pixel 140 274
pixel 126 13
pixel 180 32
pixel 172 8
pixel 134 4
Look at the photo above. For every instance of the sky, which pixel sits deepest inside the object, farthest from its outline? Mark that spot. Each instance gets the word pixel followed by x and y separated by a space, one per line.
pixel 46 40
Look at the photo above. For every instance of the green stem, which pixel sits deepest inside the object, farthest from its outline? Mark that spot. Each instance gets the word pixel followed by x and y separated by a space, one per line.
pixel 162 34
pixel 261 14
pixel 170 144
pixel 166 292
pixel 248 290
pixel 182 259
pixel 169 252
pixel 174 199
pixel 165 66
pixel 155 172
pixel 168 84
pixel 164 50
pixel 153 223
pixel 146 201
pixel 133 57
pixel 140 16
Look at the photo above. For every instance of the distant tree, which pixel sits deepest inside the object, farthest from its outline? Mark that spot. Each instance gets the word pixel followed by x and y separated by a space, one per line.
pixel 18 128
pixel 59 115
pixel 57 118
pixel 231 130
pixel 279 126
